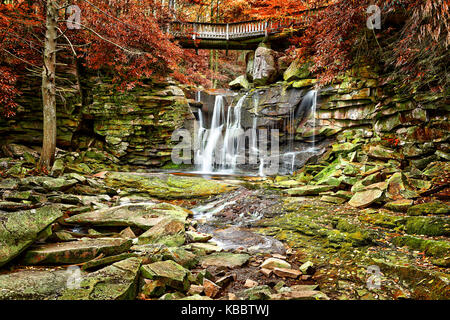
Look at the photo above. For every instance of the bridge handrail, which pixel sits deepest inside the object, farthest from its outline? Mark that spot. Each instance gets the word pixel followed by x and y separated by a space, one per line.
pixel 236 30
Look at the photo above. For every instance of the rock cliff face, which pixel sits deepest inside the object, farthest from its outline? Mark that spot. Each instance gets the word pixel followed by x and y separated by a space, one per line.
pixel 413 124
pixel 134 126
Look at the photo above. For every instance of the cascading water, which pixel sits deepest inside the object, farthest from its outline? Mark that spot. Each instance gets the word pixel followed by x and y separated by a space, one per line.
pixel 232 148
pixel 221 148
pixel 309 102
pixel 209 138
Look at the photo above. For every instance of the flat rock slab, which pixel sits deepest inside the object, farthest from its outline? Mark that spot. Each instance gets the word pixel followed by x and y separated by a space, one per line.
pixel 33 285
pixel 166 186
pixel 141 215
pixel 224 259
pixel 309 190
pixel 115 282
pixel 18 230
pixel 170 272
pixel 365 198
pixel 74 251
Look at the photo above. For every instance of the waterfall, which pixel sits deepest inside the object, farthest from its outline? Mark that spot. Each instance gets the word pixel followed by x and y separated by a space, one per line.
pixel 310 101
pixel 233 147
pixel 210 138
pixel 221 148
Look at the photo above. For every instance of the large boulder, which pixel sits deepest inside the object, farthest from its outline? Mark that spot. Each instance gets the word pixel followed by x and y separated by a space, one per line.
pixel 141 215
pixel 224 259
pixel 365 198
pixel 297 70
pixel 74 251
pixel 265 69
pixel 115 282
pixel 240 82
pixel 169 232
pixel 166 186
pixel 169 272
pixel 18 230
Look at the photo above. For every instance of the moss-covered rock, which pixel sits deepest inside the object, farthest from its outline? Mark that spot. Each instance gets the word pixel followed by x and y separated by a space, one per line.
pixel 19 230
pixel 169 232
pixel 169 272
pixel 74 251
pixel 141 215
pixel 433 248
pixel 429 208
pixel 430 226
pixel 167 186
pixel 224 259
pixel 115 282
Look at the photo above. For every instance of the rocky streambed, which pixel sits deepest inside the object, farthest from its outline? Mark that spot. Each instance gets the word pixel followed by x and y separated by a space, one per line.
pixel 114 235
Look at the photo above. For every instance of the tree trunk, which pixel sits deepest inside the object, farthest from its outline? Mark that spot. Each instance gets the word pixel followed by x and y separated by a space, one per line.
pixel 49 87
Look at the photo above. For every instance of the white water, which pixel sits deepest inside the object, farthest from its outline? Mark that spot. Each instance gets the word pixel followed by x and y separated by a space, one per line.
pixel 222 154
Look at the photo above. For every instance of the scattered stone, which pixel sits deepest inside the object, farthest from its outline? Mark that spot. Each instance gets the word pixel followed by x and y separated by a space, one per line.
pixel 166 186
pixel 240 82
pixel 58 184
pixel 170 272
pixel 18 230
pixel 307 268
pixel 195 289
pixel 205 247
pixel 153 288
pixel 258 293
pixel 287 273
pixel 211 289
pixel 250 283
pixel 194 236
pixel 127 233
pixel 33 284
pixel 272 263
pixel 226 280
pixel 95 263
pixel 224 259
pixel 266 272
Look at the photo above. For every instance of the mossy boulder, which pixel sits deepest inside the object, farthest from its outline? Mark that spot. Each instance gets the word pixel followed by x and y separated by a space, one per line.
pixel 169 272
pixel 115 282
pixel 165 186
pixel 224 259
pixel 169 232
pixel 435 248
pixel 429 208
pixel 19 230
pixel 401 205
pixel 309 190
pixel 33 285
pixel 141 215
pixel 73 252
pixel 297 70
pixel 430 226
pixel 240 82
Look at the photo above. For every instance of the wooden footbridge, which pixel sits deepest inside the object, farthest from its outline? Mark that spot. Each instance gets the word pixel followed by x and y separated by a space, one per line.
pixel 245 35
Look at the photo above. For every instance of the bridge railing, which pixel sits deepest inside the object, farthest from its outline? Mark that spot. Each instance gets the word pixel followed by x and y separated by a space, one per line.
pixel 232 31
